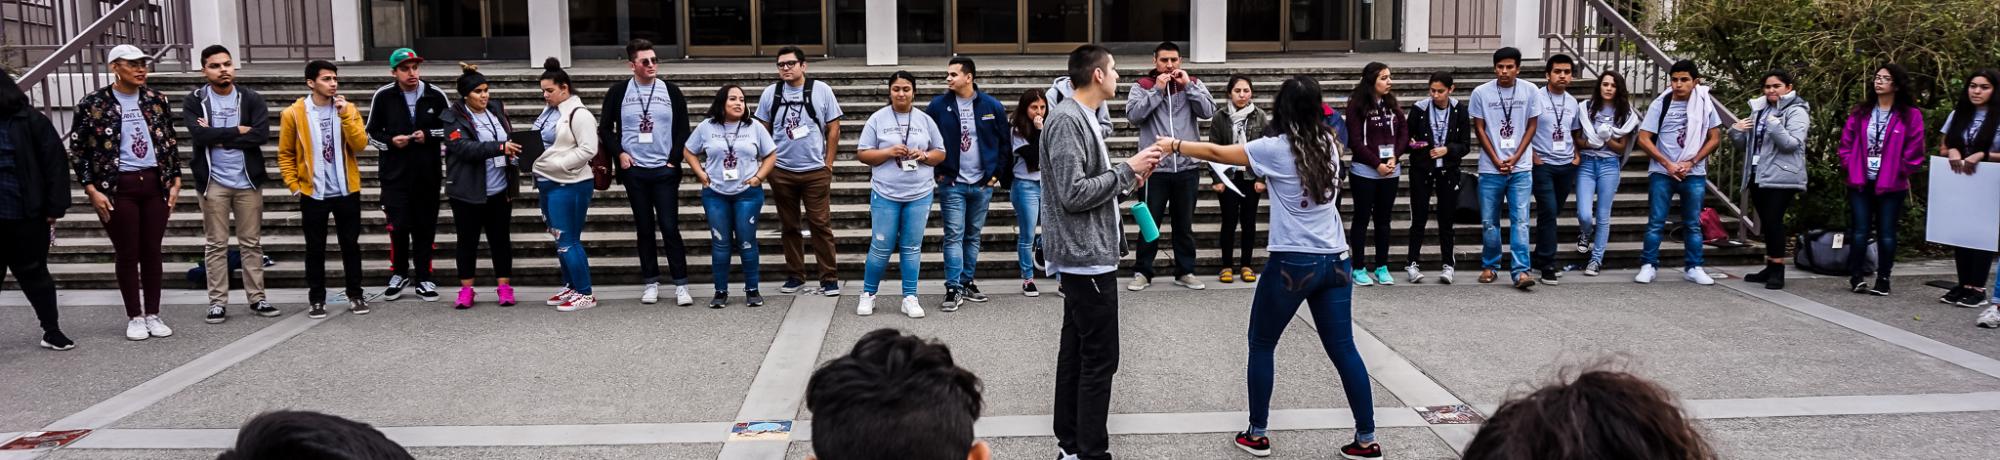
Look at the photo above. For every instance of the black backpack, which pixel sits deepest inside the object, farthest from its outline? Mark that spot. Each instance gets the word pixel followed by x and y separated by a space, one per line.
pixel 778 102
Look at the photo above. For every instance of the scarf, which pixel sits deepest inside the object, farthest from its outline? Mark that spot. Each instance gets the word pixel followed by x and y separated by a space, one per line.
pixel 1239 120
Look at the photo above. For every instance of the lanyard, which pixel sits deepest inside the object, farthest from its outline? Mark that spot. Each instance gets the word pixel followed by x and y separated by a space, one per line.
pixel 1440 123
pixel 1507 112
pixel 904 123
pixel 646 108
pixel 729 142
pixel 326 127
pixel 1560 133
pixel 490 125
pixel 1877 141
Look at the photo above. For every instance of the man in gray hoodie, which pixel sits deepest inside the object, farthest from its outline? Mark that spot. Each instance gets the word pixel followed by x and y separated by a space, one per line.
pixel 1169 103
pixel 1082 237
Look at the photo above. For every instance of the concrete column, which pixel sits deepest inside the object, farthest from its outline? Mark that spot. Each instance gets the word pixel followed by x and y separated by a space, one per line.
pixel 1208 35
pixel 216 22
pixel 348 45
pixel 881 32
pixel 1521 26
pixel 548 34
pixel 1416 26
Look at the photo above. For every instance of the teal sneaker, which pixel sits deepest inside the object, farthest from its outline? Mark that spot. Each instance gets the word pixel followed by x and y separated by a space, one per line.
pixel 1382 276
pixel 1361 278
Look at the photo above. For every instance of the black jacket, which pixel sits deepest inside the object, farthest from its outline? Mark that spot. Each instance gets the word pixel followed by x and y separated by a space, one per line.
pixel 466 155
pixel 40 164
pixel 610 130
pixel 253 112
pixel 418 166
pixel 1457 141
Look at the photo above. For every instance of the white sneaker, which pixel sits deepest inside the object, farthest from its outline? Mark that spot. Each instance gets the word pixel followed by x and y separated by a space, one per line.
pixel 866 306
pixel 1190 282
pixel 1990 318
pixel 156 327
pixel 1592 269
pixel 1139 283
pixel 912 307
pixel 652 295
pixel 1646 274
pixel 1697 276
pixel 1446 277
pixel 1416 275
pixel 681 296
pixel 136 329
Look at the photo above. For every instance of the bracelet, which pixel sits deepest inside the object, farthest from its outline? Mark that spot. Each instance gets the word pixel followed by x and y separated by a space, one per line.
pixel 1177 146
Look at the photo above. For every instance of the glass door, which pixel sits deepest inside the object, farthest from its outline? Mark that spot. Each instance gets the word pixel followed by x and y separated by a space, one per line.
pixel 1320 25
pixel 1377 25
pixel 736 28
pixel 1057 26
pixel 471 29
pixel 987 27
pixel 1250 26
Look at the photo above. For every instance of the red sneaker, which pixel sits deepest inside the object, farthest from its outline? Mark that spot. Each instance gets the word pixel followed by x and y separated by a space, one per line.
pixel 1354 451
pixel 1256 445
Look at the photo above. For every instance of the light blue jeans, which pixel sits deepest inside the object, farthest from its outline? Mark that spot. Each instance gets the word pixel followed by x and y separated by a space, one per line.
pixel 563 207
pixel 1518 191
pixel 895 227
pixel 732 223
pixel 1660 193
pixel 1596 189
pixel 1027 198
pixel 964 209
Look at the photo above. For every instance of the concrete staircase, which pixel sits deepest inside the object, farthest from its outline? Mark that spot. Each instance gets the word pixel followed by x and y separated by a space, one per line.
pixel 82 257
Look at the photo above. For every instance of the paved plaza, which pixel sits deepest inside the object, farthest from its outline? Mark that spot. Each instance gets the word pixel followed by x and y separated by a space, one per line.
pixel 1809 372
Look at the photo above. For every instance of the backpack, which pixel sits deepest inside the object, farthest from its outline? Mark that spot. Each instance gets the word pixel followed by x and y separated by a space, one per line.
pixel 1711 226
pixel 779 103
pixel 1825 252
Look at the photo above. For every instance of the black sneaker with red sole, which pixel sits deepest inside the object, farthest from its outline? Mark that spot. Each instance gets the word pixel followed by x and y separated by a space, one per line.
pixel 1256 445
pixel 1354 451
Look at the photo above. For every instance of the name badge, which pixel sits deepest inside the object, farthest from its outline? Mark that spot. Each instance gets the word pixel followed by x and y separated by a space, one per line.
pixel 1753 161
pixel 800 132
pixel 1874 162
pixel 1509 145
pixel 497 162
pixel 908 165
pixel 645 138
pixel 1561 146
pixel 731 174
pixel 1385 152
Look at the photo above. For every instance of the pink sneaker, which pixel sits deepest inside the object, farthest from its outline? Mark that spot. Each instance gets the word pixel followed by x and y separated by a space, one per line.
pixel 506 295
pixel 465 295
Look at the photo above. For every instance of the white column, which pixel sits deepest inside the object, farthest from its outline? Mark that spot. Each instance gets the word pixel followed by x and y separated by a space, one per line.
pixel 216 22
pixel 881 32
pixel 1521 26
pixel 1208 35
pixel 348 45
pixel 548 34
pixel 1416 26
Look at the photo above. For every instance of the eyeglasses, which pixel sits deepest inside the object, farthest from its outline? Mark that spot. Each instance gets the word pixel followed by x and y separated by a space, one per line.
pixel 789 64
pixel 648 62
pixel 1885 79
pixel 1774 86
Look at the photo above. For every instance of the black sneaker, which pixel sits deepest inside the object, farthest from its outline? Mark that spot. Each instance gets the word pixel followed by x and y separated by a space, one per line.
pixel 318 311
pixel 395 289
pixel 55 340
pixel 358 306
pixel 1952 295
pixel 753 298
pixel 951 301
pixel 1256 445
pixel 263 308
pixel 1354 451
pixel 428 291
pixel 792 285
pixel 1028 289
pixel 1551 277
pixel 972 293
pixel 721 300
pixel 217 314
pixel 829 288
pixel 1857 284
pixel 1881 288
pixel 1973 298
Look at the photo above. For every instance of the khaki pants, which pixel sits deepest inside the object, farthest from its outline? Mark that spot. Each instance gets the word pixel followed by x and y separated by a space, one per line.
pixel 248 209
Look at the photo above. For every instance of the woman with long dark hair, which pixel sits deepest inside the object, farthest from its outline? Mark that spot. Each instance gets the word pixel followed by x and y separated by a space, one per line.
pixel 732 155
pixel 1607 140
pixel 1968 140
pixel 1300 161
pixel 1377 134
pixel 1774 145
pixel 1023 181
pixel 1881 147
pixel 564 176
pixel 34 192
pixel 481 179
pixel 1238 123
pixel 901 145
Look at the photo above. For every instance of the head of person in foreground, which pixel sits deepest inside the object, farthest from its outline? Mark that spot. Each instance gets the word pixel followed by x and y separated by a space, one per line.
pixel 298 435
pixel 895 396
pixel 1597 415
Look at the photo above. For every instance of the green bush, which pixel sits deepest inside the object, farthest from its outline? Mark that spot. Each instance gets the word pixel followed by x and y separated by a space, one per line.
pixel 1832 48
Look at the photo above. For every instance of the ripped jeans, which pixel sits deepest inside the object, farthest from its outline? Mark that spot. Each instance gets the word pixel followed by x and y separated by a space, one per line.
pixel 1323 283
pixel 732 227
pixel 563 207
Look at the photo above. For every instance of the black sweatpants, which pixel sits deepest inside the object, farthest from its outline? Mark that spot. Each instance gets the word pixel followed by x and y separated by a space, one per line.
pixel 1374 199
pixel 1442 183
pixel 1239 212
pixel 346 212
pixel 492 219
pixel 1171 195
pixel 1771 204
pixel 28 259
pixel 1085 362
pixel 413 232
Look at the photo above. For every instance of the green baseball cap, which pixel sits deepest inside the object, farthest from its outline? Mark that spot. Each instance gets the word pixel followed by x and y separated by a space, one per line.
pixel 402 55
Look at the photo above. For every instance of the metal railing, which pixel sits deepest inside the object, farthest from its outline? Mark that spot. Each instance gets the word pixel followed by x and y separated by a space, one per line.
pixel 287 30
pixel 1604 40
pixel 66 40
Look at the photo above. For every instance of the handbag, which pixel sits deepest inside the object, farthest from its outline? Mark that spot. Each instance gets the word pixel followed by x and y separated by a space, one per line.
pixel 1826 252
pixel 600 164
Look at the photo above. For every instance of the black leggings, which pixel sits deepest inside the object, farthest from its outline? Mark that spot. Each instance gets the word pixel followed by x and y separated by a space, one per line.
pixel 1373 200
pixel 492 218
pixel 1771 204
pixel 1239 211
pixel 1972 266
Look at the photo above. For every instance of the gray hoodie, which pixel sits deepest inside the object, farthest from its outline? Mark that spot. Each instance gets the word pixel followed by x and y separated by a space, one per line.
pixel 1080 187
pixel 1061 90
pixel 1779 153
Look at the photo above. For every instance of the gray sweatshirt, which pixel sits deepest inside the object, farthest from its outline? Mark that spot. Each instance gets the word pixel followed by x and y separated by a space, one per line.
pixel 1777 147
pixel 1161 111
pixel 1080 187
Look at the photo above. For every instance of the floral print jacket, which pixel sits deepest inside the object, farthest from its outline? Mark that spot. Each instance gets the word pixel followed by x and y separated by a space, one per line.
pixel 93 143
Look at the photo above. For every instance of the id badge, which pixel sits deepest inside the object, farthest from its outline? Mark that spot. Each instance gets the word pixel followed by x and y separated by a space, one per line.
pixel 731 175
pixel 1875 163
pixel 1440 163
pixel 908 165
pixel 1561 146
pixel 496 162
pixel 800 132
pixel 1508 145
pixel 645 138
pixel 1385 152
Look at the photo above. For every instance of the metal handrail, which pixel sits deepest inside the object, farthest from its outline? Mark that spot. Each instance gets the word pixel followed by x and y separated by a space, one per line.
pixel 1654 58
pixel 76 45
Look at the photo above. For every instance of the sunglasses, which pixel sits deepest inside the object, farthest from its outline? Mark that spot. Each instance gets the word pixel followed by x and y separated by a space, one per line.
pixel 649 62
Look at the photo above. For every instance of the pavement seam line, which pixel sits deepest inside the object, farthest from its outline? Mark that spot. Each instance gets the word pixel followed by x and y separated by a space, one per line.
pixel 1409 384
pixel 779 389
pixel 1884 332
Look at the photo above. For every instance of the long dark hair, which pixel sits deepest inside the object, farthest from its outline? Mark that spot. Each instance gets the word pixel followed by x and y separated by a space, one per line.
pixel 1024 125
pixel 1598 414
pixel 1961 116
pixel 1621 98
pixel 719 110
pixel 1363 98
pixel 12 100
pixel 1906 97
pixel 1299 113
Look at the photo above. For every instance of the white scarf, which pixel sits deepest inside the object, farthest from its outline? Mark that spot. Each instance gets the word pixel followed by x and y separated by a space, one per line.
pixel 1240 120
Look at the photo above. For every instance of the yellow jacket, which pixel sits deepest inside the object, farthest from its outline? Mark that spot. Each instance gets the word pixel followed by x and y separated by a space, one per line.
pixel 295 149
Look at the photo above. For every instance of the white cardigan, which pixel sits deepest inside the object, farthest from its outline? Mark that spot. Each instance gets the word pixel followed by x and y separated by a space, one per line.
pixel 568 161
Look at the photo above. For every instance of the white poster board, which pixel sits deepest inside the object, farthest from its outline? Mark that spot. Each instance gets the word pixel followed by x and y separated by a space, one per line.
pixel 1964 209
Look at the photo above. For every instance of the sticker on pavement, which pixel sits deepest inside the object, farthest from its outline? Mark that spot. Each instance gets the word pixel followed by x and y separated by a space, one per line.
pixel 44 440
pixel 761 430
pixel 1457 414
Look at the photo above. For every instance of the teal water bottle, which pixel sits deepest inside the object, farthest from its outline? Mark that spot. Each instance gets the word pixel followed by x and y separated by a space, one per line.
pixel 1148 230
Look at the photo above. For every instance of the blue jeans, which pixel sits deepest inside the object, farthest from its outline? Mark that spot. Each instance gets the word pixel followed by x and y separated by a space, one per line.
pixel 1596 189
pixel 732 223
pixel 895 227
pixel 1325 286
pixel 964 209
pixel 1519 189
pixel 563 207
pixel 1660 193
pixel 1883 215
pixel 1027 198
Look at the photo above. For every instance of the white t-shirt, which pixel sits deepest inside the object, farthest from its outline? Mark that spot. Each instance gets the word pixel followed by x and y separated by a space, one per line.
pixel 730 154
pixel 913 129
pixel 1554 141
pixel 135 140
pixel 969 166
pixel 328 152
pixel 808 151
pixel 492 130
pixel 1298 223
pixel 1672 132
pixel 1506 112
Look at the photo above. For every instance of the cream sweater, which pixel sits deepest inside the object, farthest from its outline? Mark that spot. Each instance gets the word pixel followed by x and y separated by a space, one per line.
pixel 568 161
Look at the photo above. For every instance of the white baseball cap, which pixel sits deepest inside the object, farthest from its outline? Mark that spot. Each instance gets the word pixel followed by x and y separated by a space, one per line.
pixel 126 53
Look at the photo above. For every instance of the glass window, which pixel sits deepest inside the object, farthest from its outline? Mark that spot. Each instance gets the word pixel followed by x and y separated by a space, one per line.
pixel 791 22
pixel 718 22
pixel 1145 21
pixel 654 20
pixel 1058 21
pixel 593 23
pixel 988 21
pixel 449 18
pixel 1319 20
pixel 917 22
pixel 596 23
pixel 510 18
pixel 1250 20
